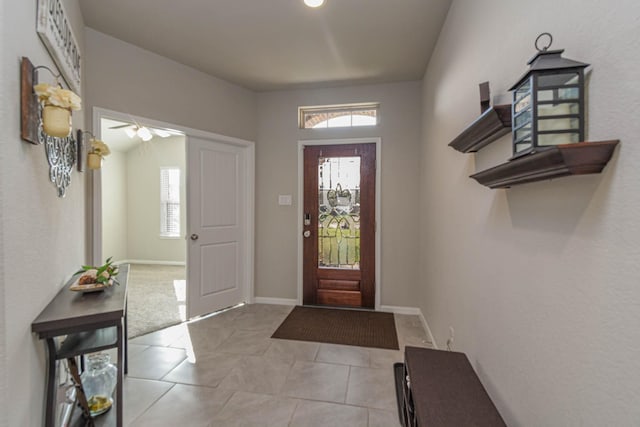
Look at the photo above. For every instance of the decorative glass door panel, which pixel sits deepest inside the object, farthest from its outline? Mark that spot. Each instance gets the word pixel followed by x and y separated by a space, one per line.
pixel 339 212
pixel 339 225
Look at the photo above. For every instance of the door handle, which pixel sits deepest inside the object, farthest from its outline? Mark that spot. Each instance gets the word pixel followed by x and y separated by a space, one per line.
pixel 307 233
pixel 194 236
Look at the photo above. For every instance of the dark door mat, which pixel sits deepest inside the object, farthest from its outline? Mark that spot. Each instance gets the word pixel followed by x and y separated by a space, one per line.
pixel 339 326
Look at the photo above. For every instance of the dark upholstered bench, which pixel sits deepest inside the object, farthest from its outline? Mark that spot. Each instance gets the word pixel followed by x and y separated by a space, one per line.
pixel 440 389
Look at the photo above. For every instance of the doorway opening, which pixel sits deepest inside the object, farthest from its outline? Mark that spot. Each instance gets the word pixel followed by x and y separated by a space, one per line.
pixel 143 193
pixel 192 209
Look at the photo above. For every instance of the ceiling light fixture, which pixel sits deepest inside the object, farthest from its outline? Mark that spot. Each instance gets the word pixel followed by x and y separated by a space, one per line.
pixel 144 134
pixel 130 132
pixel 314 3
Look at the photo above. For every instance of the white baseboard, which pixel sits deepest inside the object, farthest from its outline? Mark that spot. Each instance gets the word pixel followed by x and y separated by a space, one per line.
pixel 400 310
pixel 428 329
pixel 279 301
pixel 143 261
pixel 415 311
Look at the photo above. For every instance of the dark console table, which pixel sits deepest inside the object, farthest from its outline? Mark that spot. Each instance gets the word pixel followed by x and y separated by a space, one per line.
pixel 440 389
pixel 92 322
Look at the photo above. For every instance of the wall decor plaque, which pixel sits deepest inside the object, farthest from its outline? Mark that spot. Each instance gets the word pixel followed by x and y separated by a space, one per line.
pixel 53 27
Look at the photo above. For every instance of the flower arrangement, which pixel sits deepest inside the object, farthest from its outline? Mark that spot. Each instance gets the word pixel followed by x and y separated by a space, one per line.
pixel 103 275
pixel 57 96
pixel 57 105
pixel 99 147
pixel 97 150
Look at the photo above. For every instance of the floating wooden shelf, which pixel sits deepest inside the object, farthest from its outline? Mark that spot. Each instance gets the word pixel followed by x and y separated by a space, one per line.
pixel 491 125
pixel 560 160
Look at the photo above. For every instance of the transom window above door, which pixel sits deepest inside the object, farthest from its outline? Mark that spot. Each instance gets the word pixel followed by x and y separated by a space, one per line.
pixel 336 116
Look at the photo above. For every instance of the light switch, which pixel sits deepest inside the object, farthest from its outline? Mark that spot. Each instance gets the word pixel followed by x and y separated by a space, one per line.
pixel 284 199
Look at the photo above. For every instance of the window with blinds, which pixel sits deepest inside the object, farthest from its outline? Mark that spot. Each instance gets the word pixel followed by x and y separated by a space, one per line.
pixel 170 202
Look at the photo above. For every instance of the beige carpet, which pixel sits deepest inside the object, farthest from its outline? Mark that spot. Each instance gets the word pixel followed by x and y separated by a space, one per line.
pixel 156 297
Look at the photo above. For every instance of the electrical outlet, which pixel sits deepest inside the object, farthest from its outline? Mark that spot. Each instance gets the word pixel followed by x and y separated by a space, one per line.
pixel 452 334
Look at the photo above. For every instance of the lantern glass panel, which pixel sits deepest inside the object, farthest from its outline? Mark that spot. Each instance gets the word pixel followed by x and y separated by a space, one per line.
pixel 555 80
pixel 522 118
pixel 523 90
pixel 522 133
pixel 559 94
pixel 558 138
pixel 522 96
pixel 524 145
pixel 523 104
pixel 559 124
pixel 557 109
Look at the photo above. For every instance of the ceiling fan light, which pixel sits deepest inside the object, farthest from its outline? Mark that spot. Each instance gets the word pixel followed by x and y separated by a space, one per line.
pixel 130 132
pixel 314 3
pixel 144 134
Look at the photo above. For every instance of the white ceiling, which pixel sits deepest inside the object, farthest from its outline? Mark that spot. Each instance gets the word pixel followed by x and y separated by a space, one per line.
pixel 281 44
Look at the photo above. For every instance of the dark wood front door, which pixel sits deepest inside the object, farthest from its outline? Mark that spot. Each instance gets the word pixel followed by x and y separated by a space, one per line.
pixel 339 225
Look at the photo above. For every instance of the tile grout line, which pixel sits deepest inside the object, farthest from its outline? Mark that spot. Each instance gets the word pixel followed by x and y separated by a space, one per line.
pixel 153 403
pixel 346 391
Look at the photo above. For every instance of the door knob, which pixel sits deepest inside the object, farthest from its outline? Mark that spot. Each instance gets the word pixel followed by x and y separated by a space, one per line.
pixel 307 233
pixel 194 236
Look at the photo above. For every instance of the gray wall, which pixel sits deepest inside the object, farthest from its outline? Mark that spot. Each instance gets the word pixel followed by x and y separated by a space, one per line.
pixel 43 236
pixel 276 173
pixel 114 206
pixel 128 79
pixel 539 281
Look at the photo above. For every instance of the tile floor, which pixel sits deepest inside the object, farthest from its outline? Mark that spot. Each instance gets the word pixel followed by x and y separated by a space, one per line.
pixel 225 370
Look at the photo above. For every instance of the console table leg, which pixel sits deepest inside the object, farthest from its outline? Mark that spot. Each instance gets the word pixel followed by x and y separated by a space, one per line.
pixel 50 412
pixel 126 344
pixel 119 386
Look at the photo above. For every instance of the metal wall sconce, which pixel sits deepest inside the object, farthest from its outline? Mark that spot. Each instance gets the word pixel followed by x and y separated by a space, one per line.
pixel 97 150
pixel 548 102
pixel 61 149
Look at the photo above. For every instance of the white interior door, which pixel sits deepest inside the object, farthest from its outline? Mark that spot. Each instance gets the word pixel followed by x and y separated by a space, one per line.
pixel 217 239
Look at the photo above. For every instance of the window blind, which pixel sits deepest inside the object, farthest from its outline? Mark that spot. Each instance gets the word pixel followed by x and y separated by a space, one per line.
pixel 170 202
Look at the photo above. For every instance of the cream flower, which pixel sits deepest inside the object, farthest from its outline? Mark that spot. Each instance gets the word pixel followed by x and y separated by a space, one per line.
pixel 100 148
pixel 65 98
pixel 42 90
pixel 55 95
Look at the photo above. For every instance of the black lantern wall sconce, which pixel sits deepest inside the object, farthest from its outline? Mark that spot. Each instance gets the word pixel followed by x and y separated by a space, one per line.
pixel 548 101
pixel 547 122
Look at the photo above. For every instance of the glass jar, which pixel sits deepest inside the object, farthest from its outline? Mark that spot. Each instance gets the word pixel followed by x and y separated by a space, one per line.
pixel 99 381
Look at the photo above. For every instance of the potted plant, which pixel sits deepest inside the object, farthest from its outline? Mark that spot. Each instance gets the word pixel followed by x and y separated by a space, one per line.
pixel 57 106
pixel 97 151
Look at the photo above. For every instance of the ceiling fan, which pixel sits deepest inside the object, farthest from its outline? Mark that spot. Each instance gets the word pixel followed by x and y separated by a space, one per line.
pixel 143 132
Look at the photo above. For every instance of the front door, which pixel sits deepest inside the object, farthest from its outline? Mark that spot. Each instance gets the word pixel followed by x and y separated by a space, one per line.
pixel 339 225
pixel 217 247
